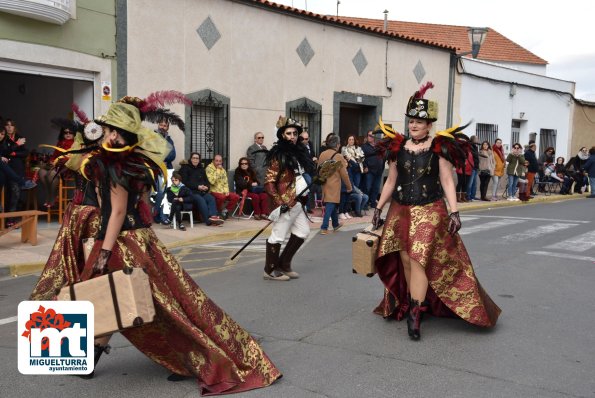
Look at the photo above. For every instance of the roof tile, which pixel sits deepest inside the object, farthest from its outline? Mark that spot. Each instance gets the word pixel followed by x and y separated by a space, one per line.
pixel 496 47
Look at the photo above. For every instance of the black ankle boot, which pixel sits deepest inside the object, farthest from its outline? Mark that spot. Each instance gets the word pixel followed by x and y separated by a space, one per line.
pixel 99 349
pixel 177 377
pixel 414 318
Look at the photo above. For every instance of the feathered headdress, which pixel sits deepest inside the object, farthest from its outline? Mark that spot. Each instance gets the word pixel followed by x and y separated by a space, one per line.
pixel 91 132
pixel 68 124
pixel 152 108
pixel 420 108
pixel 391 141
pixel 453 145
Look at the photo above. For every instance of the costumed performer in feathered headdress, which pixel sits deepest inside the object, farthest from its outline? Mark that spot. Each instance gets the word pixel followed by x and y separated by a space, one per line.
pixel 81 217
pixel 214 349
pixel 422 260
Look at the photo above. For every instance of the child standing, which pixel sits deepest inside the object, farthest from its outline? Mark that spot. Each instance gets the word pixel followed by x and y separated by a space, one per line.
pixel 177 195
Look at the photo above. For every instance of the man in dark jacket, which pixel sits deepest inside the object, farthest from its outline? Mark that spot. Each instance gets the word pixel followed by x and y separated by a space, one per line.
pixel 533 165
pixel 315 192
pixel 195 178
pixel 373 169
pixel 163 129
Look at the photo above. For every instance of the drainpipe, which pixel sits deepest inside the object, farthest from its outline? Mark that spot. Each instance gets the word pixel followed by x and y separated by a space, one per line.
pixel 386 83
pixel 451 89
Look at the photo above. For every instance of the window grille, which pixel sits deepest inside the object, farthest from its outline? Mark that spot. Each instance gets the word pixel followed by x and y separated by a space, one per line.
pixel 209 129
pixel 486 132
pixel 309 115
pixel 515 133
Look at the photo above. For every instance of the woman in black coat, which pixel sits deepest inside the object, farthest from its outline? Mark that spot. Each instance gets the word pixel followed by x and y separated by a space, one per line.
pixel 194 177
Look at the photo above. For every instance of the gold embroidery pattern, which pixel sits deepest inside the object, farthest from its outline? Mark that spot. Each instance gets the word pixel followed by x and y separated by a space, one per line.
pixel 208 342
pixel 65 263
pixel 422 232
pixel 282 191
pixel 190 335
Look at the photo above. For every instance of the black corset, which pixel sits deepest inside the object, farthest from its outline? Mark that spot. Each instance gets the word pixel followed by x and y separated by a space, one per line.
pixel 418 179
pixel 132 220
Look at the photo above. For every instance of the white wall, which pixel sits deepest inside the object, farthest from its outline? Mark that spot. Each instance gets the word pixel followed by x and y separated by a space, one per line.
pixel 255 64
pixel 491 102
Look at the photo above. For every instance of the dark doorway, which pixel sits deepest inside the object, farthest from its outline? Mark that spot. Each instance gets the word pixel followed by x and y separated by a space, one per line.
pixel 355 120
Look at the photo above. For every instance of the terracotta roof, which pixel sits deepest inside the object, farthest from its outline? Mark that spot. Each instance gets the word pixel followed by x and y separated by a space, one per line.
pixel 496 48
pixel 353 23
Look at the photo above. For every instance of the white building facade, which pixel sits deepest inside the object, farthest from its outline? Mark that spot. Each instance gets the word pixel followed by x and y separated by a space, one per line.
pixel 244 63
pixel 515 105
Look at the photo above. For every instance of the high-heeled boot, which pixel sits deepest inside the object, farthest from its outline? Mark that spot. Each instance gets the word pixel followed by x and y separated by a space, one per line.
pixel 414 318
pixel 272 263
pixel 99 350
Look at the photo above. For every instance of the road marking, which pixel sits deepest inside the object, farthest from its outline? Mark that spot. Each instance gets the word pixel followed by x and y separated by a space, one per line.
pixel 531 218
pixel 563 255
pixel 537 231
pixel 8 320
pixel 489 225
pixel 580 243
pixel 466 218
pixel 228 265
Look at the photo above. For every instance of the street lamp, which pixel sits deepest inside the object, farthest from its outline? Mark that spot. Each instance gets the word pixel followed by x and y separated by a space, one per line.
pixel 476 37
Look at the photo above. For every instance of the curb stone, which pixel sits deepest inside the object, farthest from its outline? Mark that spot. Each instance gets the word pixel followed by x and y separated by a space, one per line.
pixel 15 270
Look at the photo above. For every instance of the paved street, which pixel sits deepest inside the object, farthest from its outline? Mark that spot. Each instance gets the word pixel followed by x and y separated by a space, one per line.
pixel 537 262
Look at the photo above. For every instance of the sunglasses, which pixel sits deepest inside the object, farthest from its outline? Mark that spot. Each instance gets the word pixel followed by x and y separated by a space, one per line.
pixel 259 138
pixel 243 164
pixel 195 158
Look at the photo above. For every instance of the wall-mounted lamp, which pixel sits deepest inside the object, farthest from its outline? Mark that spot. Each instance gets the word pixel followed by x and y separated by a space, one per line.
pixel 476 37
pixel 521 115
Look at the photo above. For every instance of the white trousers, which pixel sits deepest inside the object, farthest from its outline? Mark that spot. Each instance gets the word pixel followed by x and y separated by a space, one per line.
pixel 294 221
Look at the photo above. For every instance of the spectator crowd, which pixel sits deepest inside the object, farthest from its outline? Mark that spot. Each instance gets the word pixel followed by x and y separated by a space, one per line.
pixel 214 193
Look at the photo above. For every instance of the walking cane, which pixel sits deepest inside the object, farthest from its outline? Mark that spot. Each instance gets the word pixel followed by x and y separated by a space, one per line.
pixel 326 169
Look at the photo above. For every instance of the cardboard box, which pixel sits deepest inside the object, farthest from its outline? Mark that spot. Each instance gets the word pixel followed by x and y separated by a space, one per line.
pixel 122 299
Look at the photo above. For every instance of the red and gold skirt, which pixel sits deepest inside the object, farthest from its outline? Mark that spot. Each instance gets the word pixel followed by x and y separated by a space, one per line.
pixel 66 262
pixel 422 231
pixel 190 335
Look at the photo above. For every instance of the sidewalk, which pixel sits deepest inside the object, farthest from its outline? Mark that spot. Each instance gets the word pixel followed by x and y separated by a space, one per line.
pixel 18 258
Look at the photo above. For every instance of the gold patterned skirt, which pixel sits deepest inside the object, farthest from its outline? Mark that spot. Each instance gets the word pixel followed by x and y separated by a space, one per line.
pixel 66 262
pixel 190 335
pixel 422 231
